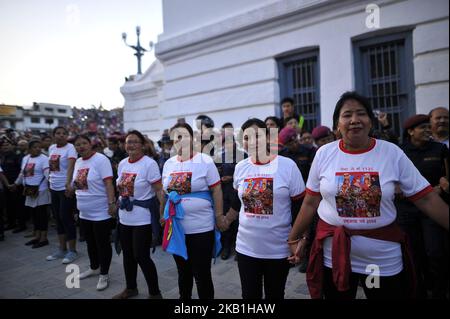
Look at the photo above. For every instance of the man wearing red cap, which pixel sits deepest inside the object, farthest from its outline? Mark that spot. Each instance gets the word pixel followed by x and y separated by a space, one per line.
pixel 300 154
pixel 322 135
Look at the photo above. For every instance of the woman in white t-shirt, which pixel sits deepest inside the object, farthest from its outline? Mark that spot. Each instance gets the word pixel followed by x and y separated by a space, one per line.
pixel 270 187
pixel 34 177
pixel 62 156
pixel 92 183
pixel 351 185
pixel 195 178
pixel 138 182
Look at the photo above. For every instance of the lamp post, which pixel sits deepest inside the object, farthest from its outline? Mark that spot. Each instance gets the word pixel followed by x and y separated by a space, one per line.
pixel 139 50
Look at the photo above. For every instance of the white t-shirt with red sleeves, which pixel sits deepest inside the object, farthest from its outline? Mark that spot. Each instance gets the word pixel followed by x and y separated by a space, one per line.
pixel 59 163
pixel 89 177
pixel 135 180
pixel 195 175
pixel 33 171
pixel 358 192
pixel 265 191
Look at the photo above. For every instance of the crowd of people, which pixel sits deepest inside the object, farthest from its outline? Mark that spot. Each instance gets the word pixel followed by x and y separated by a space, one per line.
pixel 333 201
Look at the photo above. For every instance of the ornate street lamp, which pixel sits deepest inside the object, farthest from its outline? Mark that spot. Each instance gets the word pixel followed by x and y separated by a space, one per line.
pixel 139 50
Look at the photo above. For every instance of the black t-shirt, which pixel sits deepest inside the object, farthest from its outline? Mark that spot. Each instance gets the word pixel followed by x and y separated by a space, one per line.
pixel 429 159
pixel 303 157
pixel 11 163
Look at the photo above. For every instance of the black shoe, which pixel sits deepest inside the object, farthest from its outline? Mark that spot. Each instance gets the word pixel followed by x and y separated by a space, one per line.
pixel 32 242
pixel 2 237
pixel 40 244
pixel 225 253
pixel 18 230
pixel 303 266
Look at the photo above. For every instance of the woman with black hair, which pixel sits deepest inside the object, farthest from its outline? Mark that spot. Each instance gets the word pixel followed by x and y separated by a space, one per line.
pixel 269 186
pixel 138 182
pixel 429 240
pixel 351 185
pixel 92 183
pixel 34 178
pixel 193 185
pixel 62 157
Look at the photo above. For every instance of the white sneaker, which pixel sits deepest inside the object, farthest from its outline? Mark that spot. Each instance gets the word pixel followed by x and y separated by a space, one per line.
pixel 103 282
pixel 70 257
pixel 88 273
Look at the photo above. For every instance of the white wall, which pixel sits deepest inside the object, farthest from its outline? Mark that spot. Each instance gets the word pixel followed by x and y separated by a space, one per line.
pixel 180 16
pixel 234 76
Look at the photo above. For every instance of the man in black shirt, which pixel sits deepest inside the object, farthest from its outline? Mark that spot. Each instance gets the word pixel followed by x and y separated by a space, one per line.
pixel 11 162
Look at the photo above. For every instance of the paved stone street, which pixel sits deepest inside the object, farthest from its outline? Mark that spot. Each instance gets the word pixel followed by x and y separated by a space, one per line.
pixel 24 273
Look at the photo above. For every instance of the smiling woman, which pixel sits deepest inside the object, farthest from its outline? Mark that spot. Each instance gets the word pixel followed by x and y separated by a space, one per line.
pixel 351 185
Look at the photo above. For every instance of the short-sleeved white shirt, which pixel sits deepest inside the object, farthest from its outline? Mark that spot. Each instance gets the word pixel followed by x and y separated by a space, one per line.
pixel 89 177
pixel 135 181
pixel 33 169
pixel 265 217
pixel 194 175
pixel 59 163
pixel 357 191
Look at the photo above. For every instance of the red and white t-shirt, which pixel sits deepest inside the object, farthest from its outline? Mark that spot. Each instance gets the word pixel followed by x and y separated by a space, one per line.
pixel 33 171
pixel 357 191
pixel 135 180
pixel 59 163
pixel 265 191
pixel 89 177
pixel 195 175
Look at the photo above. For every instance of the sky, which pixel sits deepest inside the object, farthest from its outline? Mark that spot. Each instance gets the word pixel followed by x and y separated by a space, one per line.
pixel 71 51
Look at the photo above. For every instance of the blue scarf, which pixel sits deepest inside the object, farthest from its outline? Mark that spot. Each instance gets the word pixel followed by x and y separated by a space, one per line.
pixel 174 239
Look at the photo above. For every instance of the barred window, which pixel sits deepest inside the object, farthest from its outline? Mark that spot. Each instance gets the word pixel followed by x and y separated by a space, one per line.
pixel 384 73
pixel 299 79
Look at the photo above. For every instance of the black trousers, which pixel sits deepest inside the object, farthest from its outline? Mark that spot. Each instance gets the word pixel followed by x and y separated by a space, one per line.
pixel 63 208
pixel 436 243
pixel 2 211
pixel 136 242
pixel 391 287
pixel 257 272
pixel 39 215
pixel 98 240
pixel 15 208
pixel 197 266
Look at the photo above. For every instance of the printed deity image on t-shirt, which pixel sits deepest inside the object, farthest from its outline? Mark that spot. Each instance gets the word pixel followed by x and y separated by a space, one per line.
pixel 80 181
pixel 358 194
pixel 28 170
pixel 258 196
pixel 180 182
pixel 126 184
pixel 54 163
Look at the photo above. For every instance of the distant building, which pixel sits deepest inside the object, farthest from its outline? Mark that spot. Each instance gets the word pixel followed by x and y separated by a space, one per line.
pixel 234 59
pixel 45 116
pixel 11 116
pixel 37 118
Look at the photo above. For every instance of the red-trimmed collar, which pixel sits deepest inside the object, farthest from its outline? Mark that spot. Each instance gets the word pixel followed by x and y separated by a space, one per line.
pixel 372 144
pixel 89 157
pixel 260 163
pixel 61 146
pixel 137 160
pixel 192 156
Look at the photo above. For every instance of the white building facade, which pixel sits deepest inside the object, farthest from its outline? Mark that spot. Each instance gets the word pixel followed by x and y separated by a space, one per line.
pixel 234 59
